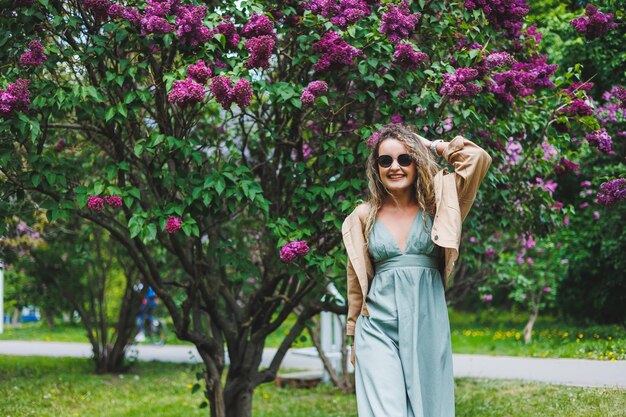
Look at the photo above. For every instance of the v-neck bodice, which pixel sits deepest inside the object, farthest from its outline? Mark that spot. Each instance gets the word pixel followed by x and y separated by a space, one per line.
pixel 383 246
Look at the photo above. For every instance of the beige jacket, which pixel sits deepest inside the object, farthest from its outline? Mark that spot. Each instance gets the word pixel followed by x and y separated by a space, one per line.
pixel 454 196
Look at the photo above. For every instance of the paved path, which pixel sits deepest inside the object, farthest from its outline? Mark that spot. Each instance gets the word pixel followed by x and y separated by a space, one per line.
pixel 577 372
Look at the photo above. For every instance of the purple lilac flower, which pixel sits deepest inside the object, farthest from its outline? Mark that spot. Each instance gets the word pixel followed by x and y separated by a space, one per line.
pixel 600 139
pixel 173 224
pixel 523 78
pixel 221 89
pixel 614 108
pixel 95 203
pixel 547 289
pixel 513 152
pixel 499 59
pixel 317 88
pixel 259 25
pixel 242 93
pixel 620 93
pixel 565 165
pixel 502 15
pixel 191 31
pixel 459 85
pixel 229 30
pixel 596 215
pixel 199 72
pixel 293 249
pixel 342 13
pixel 577 107
pixel 35 56
pixel 487 298
pixel 398 22
pixel 406 56
pixel 307 152
pixel 260 49
pixel 585 86
pixel 531 31
pixel 473 239
pixel 548 151
pixel 612 192
pixel 313 90
pixel 186 92
pixel 549 186
pixel 539 70
pixel 155 24
pixel 307 98
pixel 334 52
pixel 396 118
pixel 528 241
pixel 161 8
pixel 99 8
pixel 490 251
pixel 15 98
pixel 585 183
pixel 113 201
pixel 595 25
pixel 131 14
pixel 510 84
pixel 373 139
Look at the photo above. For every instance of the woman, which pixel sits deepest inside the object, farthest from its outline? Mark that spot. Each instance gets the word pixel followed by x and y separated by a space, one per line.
pixel 402 245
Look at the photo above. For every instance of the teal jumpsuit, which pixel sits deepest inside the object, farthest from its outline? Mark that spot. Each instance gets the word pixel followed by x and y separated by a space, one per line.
pixel 403 362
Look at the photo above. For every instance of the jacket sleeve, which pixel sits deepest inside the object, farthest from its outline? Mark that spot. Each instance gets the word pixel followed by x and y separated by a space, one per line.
pixel 355 299
pixel 471 163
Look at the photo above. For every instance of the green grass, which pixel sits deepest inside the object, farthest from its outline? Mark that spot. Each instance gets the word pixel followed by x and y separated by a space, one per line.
pixel 67 387
pixel 491 332
pixel 61 332
pixel 495 332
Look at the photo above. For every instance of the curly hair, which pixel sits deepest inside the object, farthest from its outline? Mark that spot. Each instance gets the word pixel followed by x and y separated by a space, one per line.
pixel 426 167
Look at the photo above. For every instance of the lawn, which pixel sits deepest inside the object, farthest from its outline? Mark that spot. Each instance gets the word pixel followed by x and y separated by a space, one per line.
pixel 490 332
pixel 495 332
pixel 67 387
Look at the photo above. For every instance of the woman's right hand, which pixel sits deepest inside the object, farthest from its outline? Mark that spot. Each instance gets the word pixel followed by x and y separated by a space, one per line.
pixel 352 355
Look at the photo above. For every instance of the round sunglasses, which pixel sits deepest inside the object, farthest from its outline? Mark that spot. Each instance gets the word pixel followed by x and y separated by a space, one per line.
pixel 385 161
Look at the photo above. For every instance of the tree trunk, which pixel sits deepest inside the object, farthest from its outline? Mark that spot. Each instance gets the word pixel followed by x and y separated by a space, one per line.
pixel 529 326
pixel 15 320
pixel 238 399
pixel 49 317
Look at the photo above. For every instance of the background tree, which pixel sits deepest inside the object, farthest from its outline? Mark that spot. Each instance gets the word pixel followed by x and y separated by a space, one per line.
pixel 78 271
pixel 206 137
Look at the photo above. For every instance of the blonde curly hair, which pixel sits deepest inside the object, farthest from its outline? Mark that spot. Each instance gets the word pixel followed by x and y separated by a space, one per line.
pixel 426 167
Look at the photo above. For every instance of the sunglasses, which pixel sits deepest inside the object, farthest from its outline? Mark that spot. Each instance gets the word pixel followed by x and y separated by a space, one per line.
pixel 385 161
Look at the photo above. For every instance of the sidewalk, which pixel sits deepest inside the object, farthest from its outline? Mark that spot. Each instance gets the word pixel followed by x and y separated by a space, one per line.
pixel 576 372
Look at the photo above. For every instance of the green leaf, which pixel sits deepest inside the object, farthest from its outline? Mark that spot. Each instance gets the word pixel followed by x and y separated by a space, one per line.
pixel 152 231
pixel 138 148
pixel 98 188
pixel 109 114
pixel 220 185
pixel 121 109
pixel 36 180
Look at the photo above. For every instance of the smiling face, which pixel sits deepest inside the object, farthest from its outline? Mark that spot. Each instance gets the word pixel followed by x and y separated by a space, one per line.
pixel 396 178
